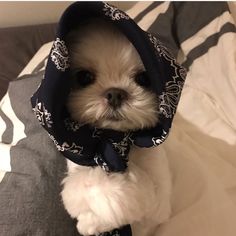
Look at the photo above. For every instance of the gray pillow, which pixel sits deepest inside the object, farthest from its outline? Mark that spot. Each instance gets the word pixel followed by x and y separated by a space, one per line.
pixel 24 40
pixel 30 202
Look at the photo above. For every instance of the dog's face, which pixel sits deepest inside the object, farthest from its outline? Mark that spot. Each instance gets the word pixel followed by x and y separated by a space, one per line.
pixel 111 87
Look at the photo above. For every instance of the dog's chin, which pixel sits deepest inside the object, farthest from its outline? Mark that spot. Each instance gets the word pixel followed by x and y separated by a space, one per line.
pixel 122 124
pixel 115 124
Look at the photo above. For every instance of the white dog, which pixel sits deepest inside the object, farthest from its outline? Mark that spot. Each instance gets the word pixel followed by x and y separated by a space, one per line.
pixel 111 90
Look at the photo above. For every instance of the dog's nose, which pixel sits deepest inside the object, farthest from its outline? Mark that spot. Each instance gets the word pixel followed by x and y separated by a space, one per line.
pixel 116 96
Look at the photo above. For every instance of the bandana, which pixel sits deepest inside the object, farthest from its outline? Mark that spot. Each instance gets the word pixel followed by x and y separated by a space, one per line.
pixel 88 145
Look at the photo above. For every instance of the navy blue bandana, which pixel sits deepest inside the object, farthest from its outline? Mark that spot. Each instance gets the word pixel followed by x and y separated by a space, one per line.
pixel 87 145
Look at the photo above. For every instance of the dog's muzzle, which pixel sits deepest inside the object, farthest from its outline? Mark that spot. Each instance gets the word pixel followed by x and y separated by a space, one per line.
pixel 116 97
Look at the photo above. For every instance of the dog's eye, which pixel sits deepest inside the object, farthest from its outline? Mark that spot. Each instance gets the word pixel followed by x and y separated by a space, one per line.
pixel 142 79
pixel 84 78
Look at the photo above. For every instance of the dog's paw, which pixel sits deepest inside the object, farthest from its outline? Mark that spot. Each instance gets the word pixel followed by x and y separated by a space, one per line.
pixel 87 224
pixel 90 224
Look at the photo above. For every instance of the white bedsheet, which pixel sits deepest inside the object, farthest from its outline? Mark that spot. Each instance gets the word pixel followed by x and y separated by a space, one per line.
pixel 202 145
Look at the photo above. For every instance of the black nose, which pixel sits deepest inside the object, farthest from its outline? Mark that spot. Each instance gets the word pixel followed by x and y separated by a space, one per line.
pixel 116 97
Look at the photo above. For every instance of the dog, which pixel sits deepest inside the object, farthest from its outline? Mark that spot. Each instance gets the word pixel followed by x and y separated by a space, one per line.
pixel 111 90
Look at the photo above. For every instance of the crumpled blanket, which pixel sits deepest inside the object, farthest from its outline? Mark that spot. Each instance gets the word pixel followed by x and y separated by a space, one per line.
pixel 201 146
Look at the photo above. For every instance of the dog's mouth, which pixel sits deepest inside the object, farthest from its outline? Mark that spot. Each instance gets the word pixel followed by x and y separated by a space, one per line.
pixel 114 117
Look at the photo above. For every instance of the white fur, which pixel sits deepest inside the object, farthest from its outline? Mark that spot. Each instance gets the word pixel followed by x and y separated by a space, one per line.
pixel 140 196
pixel 106 52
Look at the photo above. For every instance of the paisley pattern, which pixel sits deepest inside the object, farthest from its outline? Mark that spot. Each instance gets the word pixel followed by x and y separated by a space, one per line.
pixel 42 114
pixel 159 140
pixel 72 125
pixel 96 133
pixel 74 148
pixel 122 147
pixel 170 97
pixel 100 162
pixel 58 146
pixel 112 233
pixel 114 13
pixel 161 48
pixel 59 55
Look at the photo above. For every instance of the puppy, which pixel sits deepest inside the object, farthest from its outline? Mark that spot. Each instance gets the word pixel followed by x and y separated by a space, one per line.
pixel 111 90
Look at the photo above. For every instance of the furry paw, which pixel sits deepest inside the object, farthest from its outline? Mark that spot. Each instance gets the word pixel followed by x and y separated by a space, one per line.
pixel 90 224
pixel 87 224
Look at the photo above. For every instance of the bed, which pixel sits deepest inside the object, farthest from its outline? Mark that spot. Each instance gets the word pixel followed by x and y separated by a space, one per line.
pixel 201 147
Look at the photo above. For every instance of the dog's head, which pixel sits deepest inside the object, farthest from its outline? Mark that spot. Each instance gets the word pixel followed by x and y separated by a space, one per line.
pixel 110 89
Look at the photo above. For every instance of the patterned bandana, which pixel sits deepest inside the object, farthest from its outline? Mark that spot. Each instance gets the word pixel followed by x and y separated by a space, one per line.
pixel 87 145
